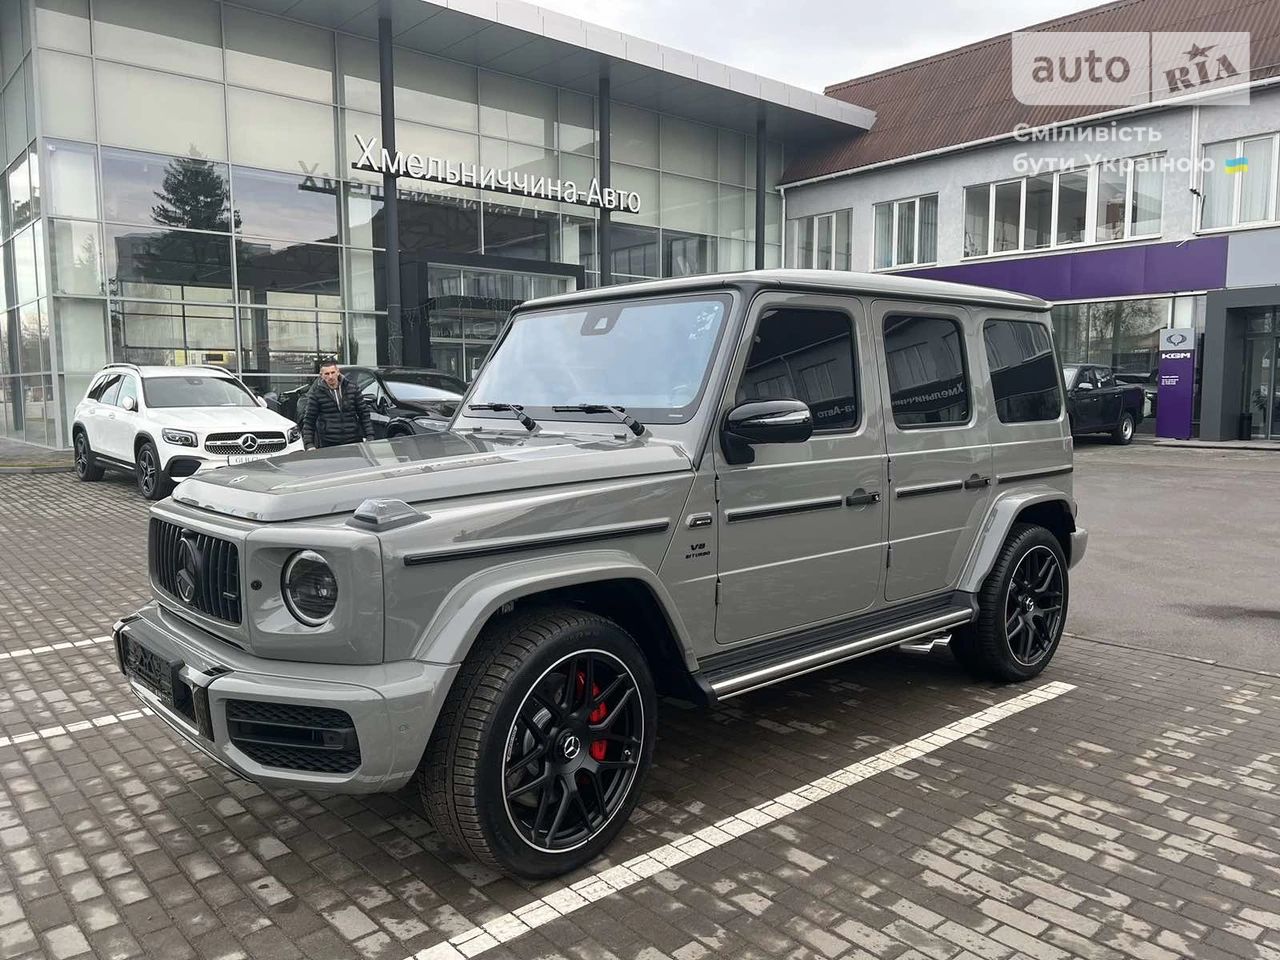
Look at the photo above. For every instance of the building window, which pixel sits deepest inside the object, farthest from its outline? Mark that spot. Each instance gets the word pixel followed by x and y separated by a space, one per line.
pixel 1239 182
pixel 906 232
pixel 821 242
pixel 1024 376
pixel 1123 335
pixel 928 386
pixel 1120 201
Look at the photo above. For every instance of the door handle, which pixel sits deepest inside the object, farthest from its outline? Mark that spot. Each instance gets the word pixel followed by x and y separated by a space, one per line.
pixel 860 498
pixel 977 481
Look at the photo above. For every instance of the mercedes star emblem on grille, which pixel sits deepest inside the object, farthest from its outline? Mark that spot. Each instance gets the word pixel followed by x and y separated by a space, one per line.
pixel 188 569
pixel 249 443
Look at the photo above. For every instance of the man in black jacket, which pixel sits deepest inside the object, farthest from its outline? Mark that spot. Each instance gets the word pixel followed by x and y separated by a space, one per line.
pixel 336 411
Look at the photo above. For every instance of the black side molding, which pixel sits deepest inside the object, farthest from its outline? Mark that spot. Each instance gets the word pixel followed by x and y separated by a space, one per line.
pixel 516 544
pixel 781 509
pixel 1034 474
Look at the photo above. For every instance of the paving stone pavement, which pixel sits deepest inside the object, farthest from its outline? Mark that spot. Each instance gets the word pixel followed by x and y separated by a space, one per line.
pixel 1135 816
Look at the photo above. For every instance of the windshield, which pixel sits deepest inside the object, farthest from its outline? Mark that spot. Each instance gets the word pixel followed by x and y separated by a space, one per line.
pixel 195 391
pixel 650 356
pixel 425 387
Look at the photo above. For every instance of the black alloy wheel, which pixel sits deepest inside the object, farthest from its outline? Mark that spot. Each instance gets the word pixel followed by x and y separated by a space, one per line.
pixel 152 483
pixel 573 751
pixel 86 468
pixel 1033 606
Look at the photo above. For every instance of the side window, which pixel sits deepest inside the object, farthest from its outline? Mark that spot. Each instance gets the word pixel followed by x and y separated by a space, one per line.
pixel 928 385
pixel 1106 378
pixel 128 388
pixel 110 390
pixel 805 355
pixel 101 385
pixel 1087 376
pixel 1024 378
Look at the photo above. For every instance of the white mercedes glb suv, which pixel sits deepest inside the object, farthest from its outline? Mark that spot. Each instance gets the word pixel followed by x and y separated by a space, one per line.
pixel 166 423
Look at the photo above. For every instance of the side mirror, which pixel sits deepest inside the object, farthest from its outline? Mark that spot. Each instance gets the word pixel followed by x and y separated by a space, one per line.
pixel 765 421
pixel 262 401
pixel 130 404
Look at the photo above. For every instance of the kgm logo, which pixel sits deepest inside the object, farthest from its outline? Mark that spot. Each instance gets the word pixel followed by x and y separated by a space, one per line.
pixel 1126 69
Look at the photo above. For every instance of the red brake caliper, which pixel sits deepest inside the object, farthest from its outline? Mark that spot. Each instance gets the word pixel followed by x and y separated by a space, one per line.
pixel 598 747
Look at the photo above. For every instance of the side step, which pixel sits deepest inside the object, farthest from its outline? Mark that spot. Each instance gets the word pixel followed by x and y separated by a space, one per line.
pixel 918 625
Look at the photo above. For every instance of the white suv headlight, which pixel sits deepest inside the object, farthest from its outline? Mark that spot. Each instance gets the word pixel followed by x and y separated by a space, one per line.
pixel 181 438
pixel 294 435
pixel 310 588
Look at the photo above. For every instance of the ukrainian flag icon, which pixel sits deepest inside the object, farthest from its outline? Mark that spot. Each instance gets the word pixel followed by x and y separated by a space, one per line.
pixel 1238 165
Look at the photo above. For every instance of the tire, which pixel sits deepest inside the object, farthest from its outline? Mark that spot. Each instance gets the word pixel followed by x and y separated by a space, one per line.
pixel 88 469
pixel 481 771
pixel 152 483
pixel 1123 433
pixel 1009 641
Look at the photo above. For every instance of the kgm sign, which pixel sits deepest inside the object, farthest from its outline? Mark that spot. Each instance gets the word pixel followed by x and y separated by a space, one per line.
pixel 1125 69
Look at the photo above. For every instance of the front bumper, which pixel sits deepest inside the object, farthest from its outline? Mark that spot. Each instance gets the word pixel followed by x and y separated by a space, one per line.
pixel 204 689
pixel 1079 544
pixel 205 461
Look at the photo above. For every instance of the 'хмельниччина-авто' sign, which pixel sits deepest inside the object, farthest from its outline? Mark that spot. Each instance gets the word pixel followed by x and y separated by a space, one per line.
pixel 435 170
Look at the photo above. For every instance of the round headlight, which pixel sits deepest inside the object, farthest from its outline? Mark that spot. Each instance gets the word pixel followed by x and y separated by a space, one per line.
pixel 310 588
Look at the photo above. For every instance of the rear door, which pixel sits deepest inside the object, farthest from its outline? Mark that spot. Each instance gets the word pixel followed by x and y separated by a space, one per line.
pixel 121 425
pixel 939 453
pixel 99 419
pixel 801 529
pixel 1112 398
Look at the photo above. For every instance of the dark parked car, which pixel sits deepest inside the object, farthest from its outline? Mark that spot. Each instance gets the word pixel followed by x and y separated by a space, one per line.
pixel 1098 403
pixel 398 397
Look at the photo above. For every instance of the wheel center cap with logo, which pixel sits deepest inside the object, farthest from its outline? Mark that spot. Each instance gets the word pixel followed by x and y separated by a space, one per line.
pixel 570 745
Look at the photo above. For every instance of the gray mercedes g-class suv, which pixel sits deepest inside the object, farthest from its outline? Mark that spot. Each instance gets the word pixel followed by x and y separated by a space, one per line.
pixel 697 486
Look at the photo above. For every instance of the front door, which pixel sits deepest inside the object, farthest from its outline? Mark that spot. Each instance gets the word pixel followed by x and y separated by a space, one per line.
pixel 1086 400
pixel 939 451
pixel 120 424
pixel 801 529
pixel 1262 402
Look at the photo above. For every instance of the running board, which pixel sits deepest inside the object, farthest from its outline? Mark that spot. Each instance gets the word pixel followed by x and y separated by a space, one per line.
pixel 737 672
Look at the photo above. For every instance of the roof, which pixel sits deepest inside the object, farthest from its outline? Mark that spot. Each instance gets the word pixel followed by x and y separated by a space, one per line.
pixel 824 281
pixel 190 370
pixel 965 94
pixel 523 40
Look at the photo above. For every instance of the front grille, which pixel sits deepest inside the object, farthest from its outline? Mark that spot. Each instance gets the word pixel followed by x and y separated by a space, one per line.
pixel 216 580
pixel 230 444
pixel 294 736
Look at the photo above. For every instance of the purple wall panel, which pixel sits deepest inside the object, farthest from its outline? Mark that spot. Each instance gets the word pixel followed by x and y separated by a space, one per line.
pixel 1152 269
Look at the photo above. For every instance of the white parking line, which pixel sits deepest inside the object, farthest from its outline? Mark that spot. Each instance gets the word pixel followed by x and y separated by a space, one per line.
pixel 47 648
pixel 509 926
pixel 78 727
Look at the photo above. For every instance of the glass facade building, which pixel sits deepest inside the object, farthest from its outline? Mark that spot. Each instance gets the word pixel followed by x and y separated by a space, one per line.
pixel 178 188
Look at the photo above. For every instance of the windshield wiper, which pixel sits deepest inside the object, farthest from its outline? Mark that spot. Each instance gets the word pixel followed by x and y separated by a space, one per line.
pixel 526 421
pixel 634 425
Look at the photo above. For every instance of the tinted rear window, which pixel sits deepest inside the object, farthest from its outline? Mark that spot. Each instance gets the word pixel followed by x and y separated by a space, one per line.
pixel 1024 377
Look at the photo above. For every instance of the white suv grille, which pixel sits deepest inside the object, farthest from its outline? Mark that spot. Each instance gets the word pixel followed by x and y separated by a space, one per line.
pixel 250 441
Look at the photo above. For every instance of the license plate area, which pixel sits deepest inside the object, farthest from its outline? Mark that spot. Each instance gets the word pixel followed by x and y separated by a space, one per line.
pixel 163 679
pixel 236 459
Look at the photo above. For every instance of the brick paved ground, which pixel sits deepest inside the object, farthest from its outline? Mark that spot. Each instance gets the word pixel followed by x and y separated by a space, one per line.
pixel 1135 816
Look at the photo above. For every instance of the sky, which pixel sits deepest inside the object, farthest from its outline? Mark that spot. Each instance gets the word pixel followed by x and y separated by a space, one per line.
pixel 814 43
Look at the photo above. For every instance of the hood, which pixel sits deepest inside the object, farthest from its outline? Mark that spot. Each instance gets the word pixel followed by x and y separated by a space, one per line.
pixel 219 419
pixel 419 469
pixel 431 408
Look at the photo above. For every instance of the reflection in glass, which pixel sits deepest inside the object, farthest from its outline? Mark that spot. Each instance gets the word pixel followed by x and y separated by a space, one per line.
pixel 516 109
pixel 182 116
pixel 77 258
pixel 1073 204
pixel 167 264
pixel 512 232
pixel 26 285
pixel 1111 212
pixel 1024 376
pixel 1038 232
pixel 437 223
pixel 364 220
pixel 634 137
pixel 883 236
pixel 281 55
pixel 804 243
pixel 180 35
pixel 826 241
pixel 428 89
pixel 288 341
pixel 21 210
pixel 977 220
pixel 71 179
pixel 66 95
pixel 285 206
pixel 688 204
pixel 173 332
pixel 1008 216
pixel 1148 188
pixel 927 382
pixel 928 252
pixel 577 126
pixel 63 24
pixel 280 133
pixel 1125 334
pixel 1257 181
pixel 366 286
pixel 1219 186
pixel 81 330
pixel 185 192
pixel 687 254
pixel 33 340
pixel 689 148
pixel 804 355
pixel 906 251
pixel 280 273
pixel 635 251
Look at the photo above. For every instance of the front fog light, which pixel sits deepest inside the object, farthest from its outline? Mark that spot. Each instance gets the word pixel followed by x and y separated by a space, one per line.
pixel 310 588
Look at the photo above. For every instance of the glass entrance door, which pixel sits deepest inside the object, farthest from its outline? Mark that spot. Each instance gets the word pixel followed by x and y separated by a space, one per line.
pixel 466 308
pixel 1262 388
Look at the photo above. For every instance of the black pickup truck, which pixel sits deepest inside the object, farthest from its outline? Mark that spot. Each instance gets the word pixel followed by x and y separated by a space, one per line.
pixel 1098 403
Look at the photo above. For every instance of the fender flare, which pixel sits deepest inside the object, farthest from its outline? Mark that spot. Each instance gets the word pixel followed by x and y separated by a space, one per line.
pixel 457 622
pixel 1000 520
